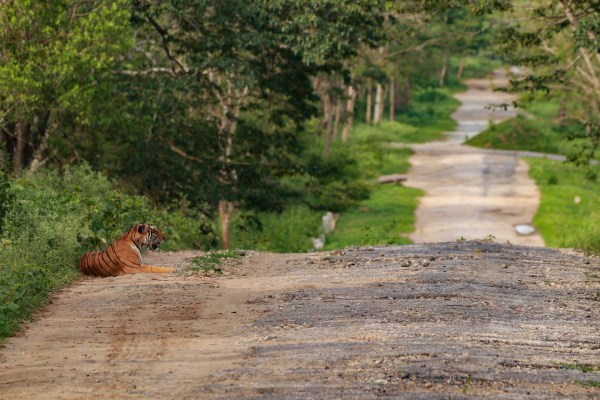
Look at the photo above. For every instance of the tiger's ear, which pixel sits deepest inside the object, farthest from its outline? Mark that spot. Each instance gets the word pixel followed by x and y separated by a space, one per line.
pixel 141 228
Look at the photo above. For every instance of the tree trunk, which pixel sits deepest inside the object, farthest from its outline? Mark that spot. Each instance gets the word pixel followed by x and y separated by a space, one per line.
pixel 21 141
pixel 226 209
pixel 379 104
pixel 369 101
pixel 392 99
pixel 461 67
pixel 327 110
pixel 406 96
pixel 349 114
pixel 339 107
pixel 443 71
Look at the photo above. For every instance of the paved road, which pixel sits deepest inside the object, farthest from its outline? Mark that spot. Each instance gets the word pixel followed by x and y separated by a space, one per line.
pixel 473 193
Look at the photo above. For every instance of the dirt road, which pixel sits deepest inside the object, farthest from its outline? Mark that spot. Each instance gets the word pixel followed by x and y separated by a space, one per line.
pixel 472 193
pixel 449 320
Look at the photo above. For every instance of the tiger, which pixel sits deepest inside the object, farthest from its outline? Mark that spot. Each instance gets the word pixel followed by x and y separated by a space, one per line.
pixel 124 255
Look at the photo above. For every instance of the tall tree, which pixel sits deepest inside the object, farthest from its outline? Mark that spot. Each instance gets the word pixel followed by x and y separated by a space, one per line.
pixel 239 75
pixel 558 47
pixel 54 56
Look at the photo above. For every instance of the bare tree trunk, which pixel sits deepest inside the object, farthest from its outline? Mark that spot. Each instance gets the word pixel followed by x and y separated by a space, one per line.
pixel 22 139
pixel 226 209
pixel 379 104
pixel 461 67
pixel 349 113
pixel 339 107
pixel 3 150
pixel 406 97
pixel 443 71
pixel 392 98
pixel 369 101
pixel 327 110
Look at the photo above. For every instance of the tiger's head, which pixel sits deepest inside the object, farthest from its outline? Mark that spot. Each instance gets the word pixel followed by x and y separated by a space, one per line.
pixel 156 237
pixel 147 235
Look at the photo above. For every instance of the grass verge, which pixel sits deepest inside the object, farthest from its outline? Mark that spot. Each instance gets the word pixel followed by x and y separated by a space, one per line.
pixel 568 215
pixel 213 261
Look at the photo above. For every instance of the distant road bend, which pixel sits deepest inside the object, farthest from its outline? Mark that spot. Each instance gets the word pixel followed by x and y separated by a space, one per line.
pixel 473 193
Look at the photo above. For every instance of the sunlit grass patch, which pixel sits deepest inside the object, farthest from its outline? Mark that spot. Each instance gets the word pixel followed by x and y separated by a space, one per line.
pixel 383 219
pixel 568 215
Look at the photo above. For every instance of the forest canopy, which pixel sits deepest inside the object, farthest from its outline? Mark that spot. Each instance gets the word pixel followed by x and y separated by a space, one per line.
pixel 234 105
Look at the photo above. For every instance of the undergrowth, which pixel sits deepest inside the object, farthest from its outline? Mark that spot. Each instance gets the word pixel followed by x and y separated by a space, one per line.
pixel 49 220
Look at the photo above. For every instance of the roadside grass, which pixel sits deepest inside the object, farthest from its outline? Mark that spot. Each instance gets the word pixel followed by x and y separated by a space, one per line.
pixel 590 383
pixel 522 133
pixel 49 220
pixel 213 261
pixel 569 211
pixel 385 218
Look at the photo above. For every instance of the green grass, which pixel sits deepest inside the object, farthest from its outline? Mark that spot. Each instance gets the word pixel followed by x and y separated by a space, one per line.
pixel 562 221
pixel 581 367
pixel 383 219
pixel 590 383
pixel 213 260
pixel 522 133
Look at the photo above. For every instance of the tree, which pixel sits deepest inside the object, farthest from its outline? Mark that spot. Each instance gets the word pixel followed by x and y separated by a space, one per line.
pixel 236 75
pixel 559 48
pixel 54 57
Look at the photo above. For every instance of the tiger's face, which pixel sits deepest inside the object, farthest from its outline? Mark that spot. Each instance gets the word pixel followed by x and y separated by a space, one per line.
pixel 156 237
pixel 147 235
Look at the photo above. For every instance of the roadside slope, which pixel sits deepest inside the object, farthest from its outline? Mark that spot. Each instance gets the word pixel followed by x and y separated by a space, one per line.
pixel 467 320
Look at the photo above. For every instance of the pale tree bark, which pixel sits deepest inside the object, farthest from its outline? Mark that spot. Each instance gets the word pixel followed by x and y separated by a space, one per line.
pixel 228 111
pixel 226 210
pixel 339 107
pixel 392 98
pixel 379 104
pixel 443 71
pixel 350 101
pixel 369 101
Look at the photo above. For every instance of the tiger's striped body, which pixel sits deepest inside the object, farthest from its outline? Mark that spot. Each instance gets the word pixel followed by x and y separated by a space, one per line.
pixel 124 255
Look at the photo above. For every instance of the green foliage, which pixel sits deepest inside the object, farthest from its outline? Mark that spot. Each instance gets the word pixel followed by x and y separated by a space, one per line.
pixel 561 219
pixel 581 367
pixel 55 58
pixel 590 383
pixel 286 232
pixel 51 219
pixel 432 108
pixel 522 133
pixel 557 43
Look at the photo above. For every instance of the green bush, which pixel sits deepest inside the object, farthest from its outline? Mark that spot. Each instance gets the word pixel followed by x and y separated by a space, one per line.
pixel 521 133
pixel 49 220
pixel 288 231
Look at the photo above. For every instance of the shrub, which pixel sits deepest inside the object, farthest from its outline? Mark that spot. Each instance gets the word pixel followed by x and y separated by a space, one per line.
pixel 49 220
